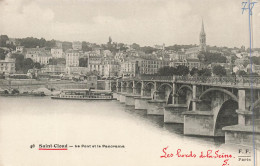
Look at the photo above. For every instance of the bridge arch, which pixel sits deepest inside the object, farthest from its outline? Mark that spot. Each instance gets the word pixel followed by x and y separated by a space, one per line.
pixel 149 89
pixel 138 82
pixel 184 86
pixel 113 87
pixel 165 84
pixel 256 104
pixel 225 116
pixel 185 98
pixel 165 94
pixel 221 90
pixel 255 110
pixel 130 84
pixel 138 87
pixel 123 84
pixel 149 83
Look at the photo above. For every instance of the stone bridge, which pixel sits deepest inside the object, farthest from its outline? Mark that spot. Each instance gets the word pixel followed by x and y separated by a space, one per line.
pixel 212 106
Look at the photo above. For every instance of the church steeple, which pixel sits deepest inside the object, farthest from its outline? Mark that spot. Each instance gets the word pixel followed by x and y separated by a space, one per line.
pixel 202 38
pixel 202 32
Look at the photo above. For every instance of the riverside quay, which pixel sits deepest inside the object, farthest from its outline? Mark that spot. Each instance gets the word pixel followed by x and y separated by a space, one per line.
pixel 212 106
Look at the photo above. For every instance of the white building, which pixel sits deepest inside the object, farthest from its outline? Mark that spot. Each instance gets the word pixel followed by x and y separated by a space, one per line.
pixel 41 57
pixel 7 66
pixel 129 68
pixel 72 58
pixel 76 70
pixel 57 53
pixel 19 49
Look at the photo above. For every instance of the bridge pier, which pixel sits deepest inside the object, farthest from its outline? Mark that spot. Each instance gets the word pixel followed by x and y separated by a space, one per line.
pixel 156 107
pixel 241 107
pixel 194 89
pixel 142 88
pixel 199 123
pixel 173 93
pixel 117 86
pixel 122 88
pixel 173 113
pixel 130 100
pixel 115 95
pixel 122 97
pixel 242 133
pixel 141 102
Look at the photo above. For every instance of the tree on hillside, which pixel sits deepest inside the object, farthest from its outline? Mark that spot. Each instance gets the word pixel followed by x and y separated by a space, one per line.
pixel 214 58
pixel 194 71
pixel 56 61
pixel 182 70
pixel 28 64
pixel 219 70
pixel 167 71
pixel 256 60
pixel 253 74
pixel 242 73
pixel 147 49
pixel 135 46
pixel 85 47
pixel 121 47
pixel 204 72
pixel 37 65
pixel 83 62
pixel 50 44
pixel 66 45
pixel 31 42
pixel 3 39
pixel 2 54
pixel 19 61
pixel 53 61
pixel 61 61
pixel 179 47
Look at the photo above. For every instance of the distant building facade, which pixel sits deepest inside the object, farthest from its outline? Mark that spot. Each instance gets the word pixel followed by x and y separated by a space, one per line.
pixel 39 55
pixel 190 63
pixel 57 53
pixel 19 49
pixel 7 66
pixel 54 69
pixel 72 58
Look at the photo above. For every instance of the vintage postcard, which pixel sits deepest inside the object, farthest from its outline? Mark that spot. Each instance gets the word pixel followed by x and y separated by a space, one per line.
pixel 129 82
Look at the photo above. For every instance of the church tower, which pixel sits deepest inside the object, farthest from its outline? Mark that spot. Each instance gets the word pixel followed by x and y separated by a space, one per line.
pixel 202 38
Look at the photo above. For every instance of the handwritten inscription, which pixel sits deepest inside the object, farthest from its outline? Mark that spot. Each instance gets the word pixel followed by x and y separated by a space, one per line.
pixel 248 6
pixel 208 154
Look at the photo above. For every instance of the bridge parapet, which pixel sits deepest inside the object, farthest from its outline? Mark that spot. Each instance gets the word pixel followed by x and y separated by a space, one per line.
pixel 240 81
pixel 246 82
pixel 150 78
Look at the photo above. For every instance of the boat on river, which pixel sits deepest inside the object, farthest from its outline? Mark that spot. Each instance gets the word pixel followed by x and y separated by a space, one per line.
pixel 84 94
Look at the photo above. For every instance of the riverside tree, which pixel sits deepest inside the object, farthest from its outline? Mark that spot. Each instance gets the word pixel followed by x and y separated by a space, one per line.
pixel 219 71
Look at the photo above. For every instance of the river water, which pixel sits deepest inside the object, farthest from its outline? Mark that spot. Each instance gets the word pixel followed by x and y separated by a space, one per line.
pixel 27 122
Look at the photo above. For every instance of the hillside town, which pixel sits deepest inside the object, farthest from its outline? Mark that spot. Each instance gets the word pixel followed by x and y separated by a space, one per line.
pixel 40 59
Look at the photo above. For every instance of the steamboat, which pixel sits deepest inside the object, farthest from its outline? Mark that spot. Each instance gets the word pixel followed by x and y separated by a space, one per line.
pixel 84 94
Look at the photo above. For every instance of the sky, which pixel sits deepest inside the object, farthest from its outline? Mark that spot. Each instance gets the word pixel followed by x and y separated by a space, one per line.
pixel 146 22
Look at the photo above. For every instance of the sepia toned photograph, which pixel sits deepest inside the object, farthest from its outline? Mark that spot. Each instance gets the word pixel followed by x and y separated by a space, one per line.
pixel 129 82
